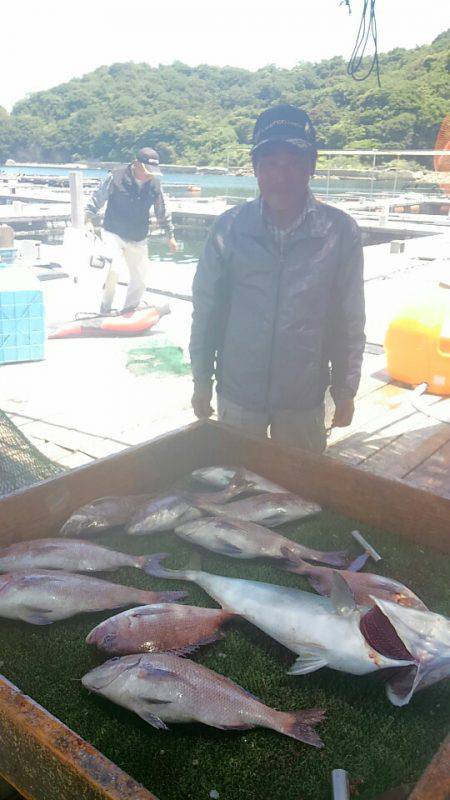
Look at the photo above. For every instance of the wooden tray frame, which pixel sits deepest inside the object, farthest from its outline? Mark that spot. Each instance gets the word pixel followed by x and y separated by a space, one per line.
pixel 42 758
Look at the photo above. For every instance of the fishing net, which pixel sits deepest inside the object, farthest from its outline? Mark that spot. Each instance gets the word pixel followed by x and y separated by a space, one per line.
pixel 21 463
pixel 157 357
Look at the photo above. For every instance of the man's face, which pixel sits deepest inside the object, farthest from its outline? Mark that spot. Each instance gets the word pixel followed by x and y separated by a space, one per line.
pixel 283 176
pixel 141 173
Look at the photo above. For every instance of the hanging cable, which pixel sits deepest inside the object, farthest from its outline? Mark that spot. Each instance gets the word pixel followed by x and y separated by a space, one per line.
pixel 367 30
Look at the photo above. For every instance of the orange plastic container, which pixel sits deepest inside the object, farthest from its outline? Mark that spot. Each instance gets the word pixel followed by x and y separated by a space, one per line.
pixel 417 341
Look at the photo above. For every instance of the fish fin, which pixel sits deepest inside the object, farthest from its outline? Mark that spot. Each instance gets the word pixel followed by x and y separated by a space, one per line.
pixel 148 670
pixel 37 616
pixel 333 558
pixel 317 584
pixel 150 610
pixel 271 522
pixel 341 596
pixel 157 570
pixel 167 597
pixel 300 726
pixel 227 548
pixel 191 648
pixel 311 659
pixel 402 686
pixel 149 716
pixel 358 563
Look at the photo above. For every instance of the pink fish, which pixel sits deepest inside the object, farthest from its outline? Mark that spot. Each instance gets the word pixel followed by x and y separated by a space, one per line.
pixel 165 688
pixel 157 628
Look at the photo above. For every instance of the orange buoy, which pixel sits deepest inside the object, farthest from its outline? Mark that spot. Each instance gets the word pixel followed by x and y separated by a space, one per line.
pixel 417 341
pixel 130 323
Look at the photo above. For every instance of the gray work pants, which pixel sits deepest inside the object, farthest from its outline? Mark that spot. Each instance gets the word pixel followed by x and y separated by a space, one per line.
pixel 305 429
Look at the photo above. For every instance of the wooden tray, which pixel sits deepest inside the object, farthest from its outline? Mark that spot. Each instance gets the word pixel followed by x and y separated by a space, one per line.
pixel 42 758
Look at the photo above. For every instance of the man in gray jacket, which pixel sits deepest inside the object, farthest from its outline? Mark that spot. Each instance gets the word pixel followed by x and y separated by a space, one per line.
pixel 278 299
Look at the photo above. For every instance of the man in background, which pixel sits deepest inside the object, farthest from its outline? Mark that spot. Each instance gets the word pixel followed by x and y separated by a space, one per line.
pixel 278 300
pixel 129 193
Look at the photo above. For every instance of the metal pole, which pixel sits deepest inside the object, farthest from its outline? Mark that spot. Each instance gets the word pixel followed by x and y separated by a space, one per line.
pixel 76 199
pixel 396 176
pixel 328 175
pixel 373 174
pixel 341 790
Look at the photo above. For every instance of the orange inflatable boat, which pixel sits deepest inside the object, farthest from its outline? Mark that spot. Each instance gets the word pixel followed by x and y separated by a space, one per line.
pixel 131 323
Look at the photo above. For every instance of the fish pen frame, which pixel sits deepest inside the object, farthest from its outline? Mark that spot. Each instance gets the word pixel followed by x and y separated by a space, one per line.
pixel 43 758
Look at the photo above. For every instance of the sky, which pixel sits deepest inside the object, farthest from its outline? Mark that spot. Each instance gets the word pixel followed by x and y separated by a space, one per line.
pixel 51 41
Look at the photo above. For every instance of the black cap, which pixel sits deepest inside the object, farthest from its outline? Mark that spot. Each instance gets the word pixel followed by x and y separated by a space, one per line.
pixel 283 124
pixel 149 158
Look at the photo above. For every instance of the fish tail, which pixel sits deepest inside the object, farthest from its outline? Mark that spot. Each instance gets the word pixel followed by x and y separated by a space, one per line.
pixel 154 567
pixel 300 725
pixel 336 558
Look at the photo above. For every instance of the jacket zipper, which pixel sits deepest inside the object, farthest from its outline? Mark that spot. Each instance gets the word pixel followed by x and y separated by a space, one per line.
pixel 275 320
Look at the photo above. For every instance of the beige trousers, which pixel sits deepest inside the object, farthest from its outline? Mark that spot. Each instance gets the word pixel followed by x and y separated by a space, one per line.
pixel 124 255
pixel 305 429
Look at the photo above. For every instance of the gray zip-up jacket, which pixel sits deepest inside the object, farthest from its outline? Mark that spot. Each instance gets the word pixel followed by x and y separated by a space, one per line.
pixel 276 326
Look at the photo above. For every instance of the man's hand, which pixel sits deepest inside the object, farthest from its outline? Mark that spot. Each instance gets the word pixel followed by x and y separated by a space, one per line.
pixel 89 225
pixel 172 242
pixel 343 412
pixel 201 402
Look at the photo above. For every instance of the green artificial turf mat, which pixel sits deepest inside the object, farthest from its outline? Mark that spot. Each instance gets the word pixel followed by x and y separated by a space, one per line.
pixel 379 745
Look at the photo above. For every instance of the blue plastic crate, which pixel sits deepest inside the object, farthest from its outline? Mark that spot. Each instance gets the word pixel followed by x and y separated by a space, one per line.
pixel 7 256
pixel 22 326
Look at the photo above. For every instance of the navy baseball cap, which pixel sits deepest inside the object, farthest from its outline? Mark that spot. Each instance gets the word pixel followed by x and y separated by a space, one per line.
pixel 149 158
pixel 284 124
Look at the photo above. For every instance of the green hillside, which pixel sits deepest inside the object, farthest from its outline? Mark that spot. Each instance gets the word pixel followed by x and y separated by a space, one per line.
pixel 204 114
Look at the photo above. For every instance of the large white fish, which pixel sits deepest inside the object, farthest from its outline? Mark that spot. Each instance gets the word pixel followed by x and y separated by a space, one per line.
pixel 74 555
pixel 222 476
pixel 232 537
pixel 44 596
pixel 269 509
pixel 336 632
pixel 165 688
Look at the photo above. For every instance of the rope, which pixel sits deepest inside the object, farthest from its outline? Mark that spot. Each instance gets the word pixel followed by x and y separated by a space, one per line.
pixel 367 29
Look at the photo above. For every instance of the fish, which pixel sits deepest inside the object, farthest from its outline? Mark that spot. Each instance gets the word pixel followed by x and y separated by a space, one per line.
pixel 238 484
pixel 365 586
pixel 160 627
pixel 103 514
pixel 221 476
pixel 162 514
pixel 270 508
pixel 335 632
pixel 73 555
pixel 238 539
pixel 45 596
pixel 164 688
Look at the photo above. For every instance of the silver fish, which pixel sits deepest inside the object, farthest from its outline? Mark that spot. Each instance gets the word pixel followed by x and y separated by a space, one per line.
pixel 336 632
pixel 103 514
pixel 162 514
pixel 77 555
pixel 365 586
pixel 159 628
pixel 221 477
pixel 44 596
pixel 165 688
pixel 270 509
pixel 232 537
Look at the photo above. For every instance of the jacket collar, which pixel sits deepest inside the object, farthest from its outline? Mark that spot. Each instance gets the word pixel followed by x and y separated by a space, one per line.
pixel 316 223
